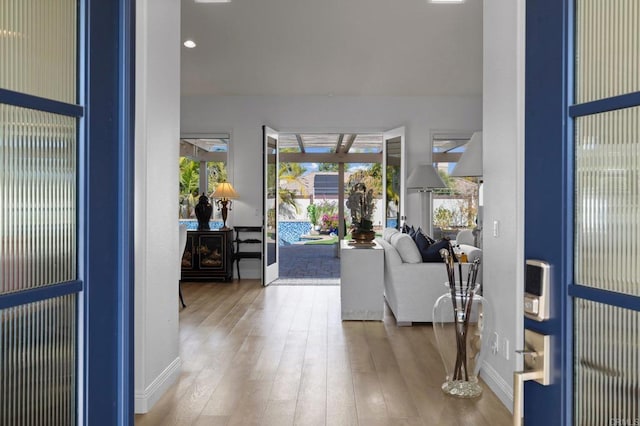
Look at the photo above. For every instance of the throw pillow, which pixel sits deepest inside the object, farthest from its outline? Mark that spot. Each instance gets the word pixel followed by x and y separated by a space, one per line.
pixel 423 245
pixel 420 231
pixel 406 248
pixel 405 229
pixel 432 253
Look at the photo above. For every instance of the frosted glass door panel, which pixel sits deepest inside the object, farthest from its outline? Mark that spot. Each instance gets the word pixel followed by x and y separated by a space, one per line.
pixel 37 199
pixel 38 48
pixel 607 201
pixel 38 363
pixel 607 365
pixel 607 48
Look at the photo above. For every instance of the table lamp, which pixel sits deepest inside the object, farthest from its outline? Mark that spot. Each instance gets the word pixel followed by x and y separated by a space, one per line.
pixel 224 194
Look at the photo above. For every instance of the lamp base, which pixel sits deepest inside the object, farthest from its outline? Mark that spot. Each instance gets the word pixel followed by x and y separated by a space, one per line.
pixel 225 210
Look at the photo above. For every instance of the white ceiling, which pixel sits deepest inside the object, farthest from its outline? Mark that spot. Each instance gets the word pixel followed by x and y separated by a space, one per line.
pixel 332 47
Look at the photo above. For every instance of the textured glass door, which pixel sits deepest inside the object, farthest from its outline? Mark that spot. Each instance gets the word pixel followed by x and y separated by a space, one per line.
pixel 38 212
pixel 606 213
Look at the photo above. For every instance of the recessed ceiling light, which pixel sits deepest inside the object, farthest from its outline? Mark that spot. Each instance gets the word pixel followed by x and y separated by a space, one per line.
pixel 190 44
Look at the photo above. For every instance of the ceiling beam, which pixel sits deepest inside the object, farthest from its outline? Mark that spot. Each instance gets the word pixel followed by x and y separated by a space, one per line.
pixel 350 141
pixel 300 143
pixel 319 157
pixel 198 154
pixel 339 143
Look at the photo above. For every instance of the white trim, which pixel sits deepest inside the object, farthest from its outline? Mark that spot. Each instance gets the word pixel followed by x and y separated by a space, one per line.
pixel 502 389
pixel 146 400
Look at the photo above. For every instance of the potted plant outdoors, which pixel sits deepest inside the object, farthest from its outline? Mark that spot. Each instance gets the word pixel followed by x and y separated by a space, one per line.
pixel 312 212
pixel 361 204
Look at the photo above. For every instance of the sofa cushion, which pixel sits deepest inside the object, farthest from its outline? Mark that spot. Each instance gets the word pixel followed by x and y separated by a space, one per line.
pixel 432 253
pixel 465 237
pixel 388 232
pixel 406 248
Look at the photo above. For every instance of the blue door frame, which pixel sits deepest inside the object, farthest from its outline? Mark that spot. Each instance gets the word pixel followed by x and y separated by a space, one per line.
pixel 107 186
pixel 548 207
pixel 105 111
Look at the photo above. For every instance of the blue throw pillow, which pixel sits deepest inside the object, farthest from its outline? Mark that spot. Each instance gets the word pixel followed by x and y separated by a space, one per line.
pixel 432 254
pixel 431 240
pixel 423 245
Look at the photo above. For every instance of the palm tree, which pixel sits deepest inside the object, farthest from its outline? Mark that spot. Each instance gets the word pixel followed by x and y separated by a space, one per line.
pixel 290 173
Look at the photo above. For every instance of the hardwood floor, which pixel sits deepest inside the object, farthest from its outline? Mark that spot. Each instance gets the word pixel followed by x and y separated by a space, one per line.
pixel 282 356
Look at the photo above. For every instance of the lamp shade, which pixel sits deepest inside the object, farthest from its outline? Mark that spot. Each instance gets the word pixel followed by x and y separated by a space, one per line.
pixel 424 177
pixel 225 191
pixel 470 163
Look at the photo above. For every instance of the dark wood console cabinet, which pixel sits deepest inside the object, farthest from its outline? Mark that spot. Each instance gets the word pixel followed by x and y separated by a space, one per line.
pixel 208 256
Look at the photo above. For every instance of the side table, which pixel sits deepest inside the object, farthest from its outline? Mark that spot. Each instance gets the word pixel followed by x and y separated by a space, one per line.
pixel 361 281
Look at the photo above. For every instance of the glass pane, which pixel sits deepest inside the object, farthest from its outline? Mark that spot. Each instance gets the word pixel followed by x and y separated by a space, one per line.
pixel 607 48
pixel 272 200
pixel 189 189
pixel 37 199
pixel 607 365
pixel 607 201
pixel 38 48
pixel 394 177
pixel 37 363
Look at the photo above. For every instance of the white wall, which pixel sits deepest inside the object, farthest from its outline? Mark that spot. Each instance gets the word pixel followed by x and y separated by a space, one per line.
pixel 157 361
pixel 503 156
pixel 243 117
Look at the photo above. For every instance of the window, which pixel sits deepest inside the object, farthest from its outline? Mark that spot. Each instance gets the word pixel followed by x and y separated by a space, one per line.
pixel 203 164
pixel 457 206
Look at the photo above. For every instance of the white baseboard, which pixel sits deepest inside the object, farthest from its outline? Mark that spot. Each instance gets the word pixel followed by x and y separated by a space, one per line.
pixel 146 400
pixel 502 389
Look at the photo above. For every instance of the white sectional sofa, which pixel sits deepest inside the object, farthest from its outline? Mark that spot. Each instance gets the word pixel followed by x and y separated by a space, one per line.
pixel 411 286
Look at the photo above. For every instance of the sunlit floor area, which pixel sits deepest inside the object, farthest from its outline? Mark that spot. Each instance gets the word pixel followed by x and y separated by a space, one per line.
pixel 282 356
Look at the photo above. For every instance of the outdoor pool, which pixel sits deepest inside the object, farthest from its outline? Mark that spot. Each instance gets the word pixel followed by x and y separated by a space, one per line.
pixel 290 231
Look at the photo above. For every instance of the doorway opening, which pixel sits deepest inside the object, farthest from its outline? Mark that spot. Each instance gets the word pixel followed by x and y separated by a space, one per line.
pixel 315 174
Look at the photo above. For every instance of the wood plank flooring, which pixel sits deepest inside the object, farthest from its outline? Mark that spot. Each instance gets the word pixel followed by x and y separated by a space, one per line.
pixel 282 356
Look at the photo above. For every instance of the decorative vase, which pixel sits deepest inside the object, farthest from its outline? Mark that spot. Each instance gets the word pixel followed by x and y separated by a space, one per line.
pixel 462 324
pixel 363 236
pixel 203 209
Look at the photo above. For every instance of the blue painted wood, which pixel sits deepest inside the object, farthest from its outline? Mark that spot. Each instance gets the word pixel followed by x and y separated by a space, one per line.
pixel 548 206
pixel 107 222
pixel 24 100
pixel 38 294
pixel 603 105
pixel 603 296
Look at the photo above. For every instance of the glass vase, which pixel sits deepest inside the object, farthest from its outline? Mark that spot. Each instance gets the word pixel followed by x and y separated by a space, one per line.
pixel 462 324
